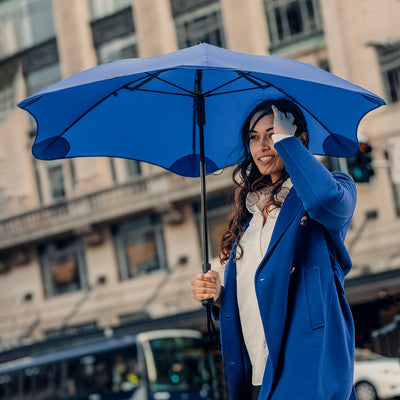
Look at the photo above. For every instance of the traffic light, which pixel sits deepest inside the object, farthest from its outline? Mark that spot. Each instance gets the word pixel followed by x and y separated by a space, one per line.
pixel 360 165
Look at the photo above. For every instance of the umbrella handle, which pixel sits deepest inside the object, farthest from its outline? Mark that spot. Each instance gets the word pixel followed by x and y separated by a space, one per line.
pixel 208 302
pixel 206 267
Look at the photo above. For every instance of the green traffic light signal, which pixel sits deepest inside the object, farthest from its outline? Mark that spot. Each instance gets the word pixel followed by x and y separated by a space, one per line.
pixel 357 174
pixel 360 166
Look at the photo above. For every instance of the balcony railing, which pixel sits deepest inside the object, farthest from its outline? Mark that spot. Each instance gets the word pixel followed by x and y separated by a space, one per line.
pixel 72 214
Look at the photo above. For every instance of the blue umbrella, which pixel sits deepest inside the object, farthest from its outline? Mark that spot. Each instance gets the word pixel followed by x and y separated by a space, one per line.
pixel 183 110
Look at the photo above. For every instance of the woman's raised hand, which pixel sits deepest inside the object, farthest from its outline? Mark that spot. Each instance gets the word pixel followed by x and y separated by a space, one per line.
pixel 283 125
pixel 206 286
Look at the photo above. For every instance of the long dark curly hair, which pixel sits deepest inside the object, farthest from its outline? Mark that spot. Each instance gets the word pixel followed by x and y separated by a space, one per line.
pixel 247 178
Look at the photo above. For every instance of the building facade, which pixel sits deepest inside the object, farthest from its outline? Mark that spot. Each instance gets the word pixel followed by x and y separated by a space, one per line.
pixel 101 245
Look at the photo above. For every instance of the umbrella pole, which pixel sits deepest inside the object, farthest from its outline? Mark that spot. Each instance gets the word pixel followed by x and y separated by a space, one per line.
pixel 200 121
pixel 206 264
pixel 204 222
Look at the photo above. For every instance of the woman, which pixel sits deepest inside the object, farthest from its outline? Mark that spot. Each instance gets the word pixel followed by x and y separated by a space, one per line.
pixel 286 328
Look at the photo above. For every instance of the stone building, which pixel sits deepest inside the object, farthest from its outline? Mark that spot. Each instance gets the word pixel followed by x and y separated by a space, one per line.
pixel 94 246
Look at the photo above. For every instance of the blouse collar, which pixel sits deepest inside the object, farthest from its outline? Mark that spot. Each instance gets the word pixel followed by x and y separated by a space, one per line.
pixel 256 201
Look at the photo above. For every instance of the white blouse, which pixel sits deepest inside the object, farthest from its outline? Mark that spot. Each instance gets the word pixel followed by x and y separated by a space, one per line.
pixel 255 242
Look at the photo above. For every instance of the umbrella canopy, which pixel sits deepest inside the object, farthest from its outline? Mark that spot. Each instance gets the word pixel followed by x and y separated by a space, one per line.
pixel 155 109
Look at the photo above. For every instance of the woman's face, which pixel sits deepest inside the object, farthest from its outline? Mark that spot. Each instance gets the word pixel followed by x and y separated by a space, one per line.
pixel 262 148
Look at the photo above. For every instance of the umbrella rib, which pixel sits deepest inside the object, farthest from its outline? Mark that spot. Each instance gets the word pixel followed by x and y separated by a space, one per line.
pixel 207 94
pixel 239 90
pixel 169 83
pixel 159 91
pixel 251 80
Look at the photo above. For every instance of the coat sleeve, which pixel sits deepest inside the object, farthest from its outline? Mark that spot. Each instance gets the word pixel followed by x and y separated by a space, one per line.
pixel 329 198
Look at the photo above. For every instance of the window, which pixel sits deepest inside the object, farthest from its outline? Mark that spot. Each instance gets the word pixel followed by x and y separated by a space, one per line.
pixel 133 168
pixel 8 87
pixel 218 215
pixel 389 60
pixel 42 77
pixel 109 375
pixel 23 24
pixel 117 49
pixel 140 247
pixel 113 31
pixel 130 169
pixel 198 21
pixel 63 266
pixel 42 20
pixel 292 20
pixel 186 353
pixel 27 37
pixel 56 178
pixel 102 8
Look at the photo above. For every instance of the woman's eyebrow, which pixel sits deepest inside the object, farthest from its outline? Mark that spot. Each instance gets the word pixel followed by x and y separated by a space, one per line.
pixel 267 130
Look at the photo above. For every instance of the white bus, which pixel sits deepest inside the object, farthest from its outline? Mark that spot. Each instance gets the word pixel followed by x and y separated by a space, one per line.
pixel 156 365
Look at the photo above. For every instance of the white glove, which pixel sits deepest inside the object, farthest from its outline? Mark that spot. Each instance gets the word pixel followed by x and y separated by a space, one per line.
pixel 283 125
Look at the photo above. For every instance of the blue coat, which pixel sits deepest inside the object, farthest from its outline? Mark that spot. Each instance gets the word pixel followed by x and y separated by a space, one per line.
pixel 307 320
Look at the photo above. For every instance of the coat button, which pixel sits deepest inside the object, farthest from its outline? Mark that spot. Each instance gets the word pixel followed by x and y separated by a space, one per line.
pixel 304 220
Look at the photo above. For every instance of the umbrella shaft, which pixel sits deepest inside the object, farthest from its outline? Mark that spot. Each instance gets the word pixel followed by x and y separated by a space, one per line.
pixel 206 265
pixel 201 121
pixel 204 221
pixel 200 109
